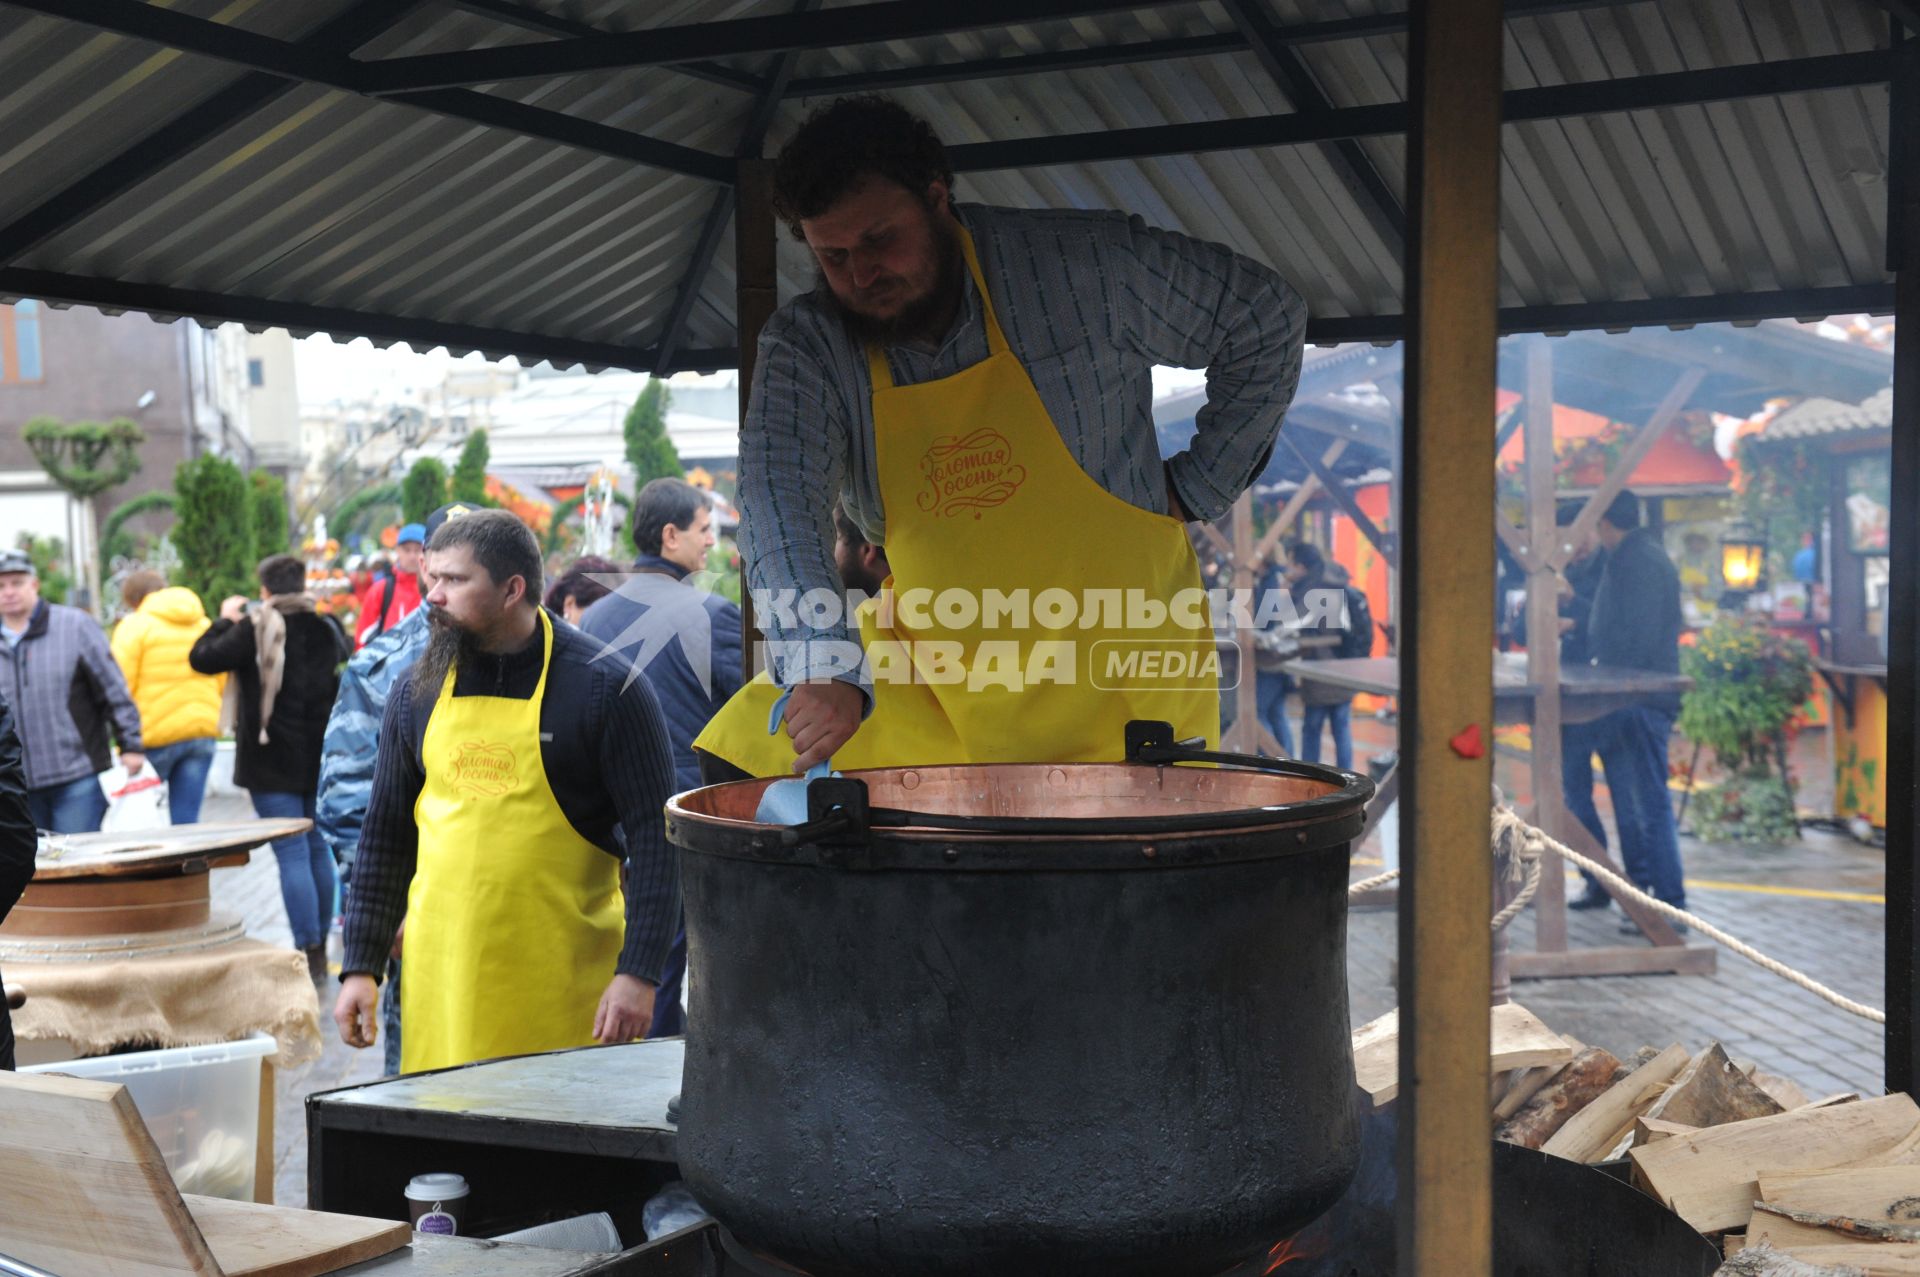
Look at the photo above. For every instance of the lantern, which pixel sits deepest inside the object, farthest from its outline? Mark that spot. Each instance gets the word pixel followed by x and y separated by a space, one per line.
pixel 1743 560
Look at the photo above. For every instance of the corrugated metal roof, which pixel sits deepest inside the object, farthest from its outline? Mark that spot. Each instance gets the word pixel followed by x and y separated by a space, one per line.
pixel 1813 418
pixel 368 207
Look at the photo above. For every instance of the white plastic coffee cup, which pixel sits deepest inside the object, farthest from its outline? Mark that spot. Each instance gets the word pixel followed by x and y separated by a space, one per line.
pixel 436 1202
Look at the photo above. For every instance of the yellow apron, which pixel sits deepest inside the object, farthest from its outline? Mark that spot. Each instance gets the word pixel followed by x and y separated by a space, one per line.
pixel 514 921
pixel 981 495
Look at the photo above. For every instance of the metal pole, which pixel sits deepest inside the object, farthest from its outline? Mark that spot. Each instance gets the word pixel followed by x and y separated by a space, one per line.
pixel 756 296
pixel 1453 183
pixel 1903 605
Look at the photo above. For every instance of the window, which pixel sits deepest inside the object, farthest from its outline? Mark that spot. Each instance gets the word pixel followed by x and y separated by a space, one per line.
pixel 256 373
pixel 20 343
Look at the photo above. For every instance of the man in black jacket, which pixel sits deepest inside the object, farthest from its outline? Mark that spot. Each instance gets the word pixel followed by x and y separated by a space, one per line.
pixel 18 842
pixel 285 660
pixel 1636 624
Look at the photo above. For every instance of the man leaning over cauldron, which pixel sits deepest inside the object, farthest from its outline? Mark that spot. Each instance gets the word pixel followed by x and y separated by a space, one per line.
pixel 515 774
pixel 974 383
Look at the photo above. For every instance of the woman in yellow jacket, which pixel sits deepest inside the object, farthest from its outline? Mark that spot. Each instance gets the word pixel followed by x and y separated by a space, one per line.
pixel 179 709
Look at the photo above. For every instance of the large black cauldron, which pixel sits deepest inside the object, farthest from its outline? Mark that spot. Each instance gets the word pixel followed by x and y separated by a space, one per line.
pixel 1022 1020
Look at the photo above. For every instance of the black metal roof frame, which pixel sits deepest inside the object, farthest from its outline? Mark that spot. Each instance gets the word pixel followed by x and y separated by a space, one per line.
pixel 439 83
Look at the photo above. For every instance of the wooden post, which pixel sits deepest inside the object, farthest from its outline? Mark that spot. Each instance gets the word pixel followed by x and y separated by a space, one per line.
pixel 756 296
pixel 1543 644
pixel 1453 184
pixel 1245 735
pixel 1903 605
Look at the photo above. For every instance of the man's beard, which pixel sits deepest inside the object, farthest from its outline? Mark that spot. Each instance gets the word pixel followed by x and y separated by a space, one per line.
pixel 917 320
pixel 447 643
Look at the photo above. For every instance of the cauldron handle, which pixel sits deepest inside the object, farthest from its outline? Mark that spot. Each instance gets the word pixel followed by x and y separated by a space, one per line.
pixel 1151 742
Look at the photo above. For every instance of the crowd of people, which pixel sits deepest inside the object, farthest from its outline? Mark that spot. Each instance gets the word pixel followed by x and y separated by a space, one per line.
pixel 390 741
pixel 400 812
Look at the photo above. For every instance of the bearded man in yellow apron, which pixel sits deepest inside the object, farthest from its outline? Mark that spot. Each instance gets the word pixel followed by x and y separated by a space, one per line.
pixel 974 384
pixel 512 769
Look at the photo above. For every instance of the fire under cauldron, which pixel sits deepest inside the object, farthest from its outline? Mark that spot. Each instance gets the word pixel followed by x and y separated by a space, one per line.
pixel 1075 1020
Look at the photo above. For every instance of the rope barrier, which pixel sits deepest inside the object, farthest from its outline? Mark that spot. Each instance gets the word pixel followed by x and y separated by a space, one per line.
pixel 1523 846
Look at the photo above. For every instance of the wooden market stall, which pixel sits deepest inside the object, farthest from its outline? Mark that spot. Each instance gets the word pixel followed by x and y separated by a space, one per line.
pixel 1847 448
pixel 558 181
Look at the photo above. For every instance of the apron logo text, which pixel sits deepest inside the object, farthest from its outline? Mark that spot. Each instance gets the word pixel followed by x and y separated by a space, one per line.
pixel 483 770
pixel 974 473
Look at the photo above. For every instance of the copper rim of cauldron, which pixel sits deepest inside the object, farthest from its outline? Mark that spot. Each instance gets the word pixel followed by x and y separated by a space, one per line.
pixel 968 818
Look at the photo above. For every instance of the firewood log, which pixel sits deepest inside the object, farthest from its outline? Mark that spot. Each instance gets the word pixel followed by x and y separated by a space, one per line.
pixel 1588 1075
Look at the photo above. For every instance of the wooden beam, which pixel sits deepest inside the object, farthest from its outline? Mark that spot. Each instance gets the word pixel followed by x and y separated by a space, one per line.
pixel 1543 644
pixel 1344 499
pixel 1636 959
pixel 1630 458
pixel 1244 737
pixel 1445 1205
pixel 1295 504
pixel 1903 631
pixel 756 297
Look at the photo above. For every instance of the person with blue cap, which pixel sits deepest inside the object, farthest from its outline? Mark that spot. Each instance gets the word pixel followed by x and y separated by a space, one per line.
pixel 389 602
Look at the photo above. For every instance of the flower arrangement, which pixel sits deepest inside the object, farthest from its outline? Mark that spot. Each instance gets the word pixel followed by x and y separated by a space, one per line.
pixel 1748 684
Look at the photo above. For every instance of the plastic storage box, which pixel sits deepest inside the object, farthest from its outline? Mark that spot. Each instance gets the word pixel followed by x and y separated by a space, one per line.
pixel 202 1104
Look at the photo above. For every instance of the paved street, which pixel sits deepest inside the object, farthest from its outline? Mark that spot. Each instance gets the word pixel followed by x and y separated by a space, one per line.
pixel 1815 905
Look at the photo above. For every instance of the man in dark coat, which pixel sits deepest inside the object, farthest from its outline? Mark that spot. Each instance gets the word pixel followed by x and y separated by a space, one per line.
pixel 685 642
pixel 285 660
pixel 18 842
pixel 1635 624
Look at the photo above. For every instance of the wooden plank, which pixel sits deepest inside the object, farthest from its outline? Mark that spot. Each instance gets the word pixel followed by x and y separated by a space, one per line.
pixel 1886 1260
pixel 1518 1040
pixel 1711 1178
pixel 263 1141
pixel 1593 1132
pixel 1757 1260
pixel 251 1240
pixel 84 1191
pixel 1615 960
pixel 151 851
pixel 1886 1193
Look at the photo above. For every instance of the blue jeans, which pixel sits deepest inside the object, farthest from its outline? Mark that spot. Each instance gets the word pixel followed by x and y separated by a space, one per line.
pixel 184 766
pixel 307 876
pixel 1272 687
pixel 1633 748
pixel 669 1019
pixel 1313 718
pixel 1578 741
pixel 71 808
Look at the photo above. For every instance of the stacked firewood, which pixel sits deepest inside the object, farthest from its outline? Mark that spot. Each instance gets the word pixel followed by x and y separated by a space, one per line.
pixel 1792 1187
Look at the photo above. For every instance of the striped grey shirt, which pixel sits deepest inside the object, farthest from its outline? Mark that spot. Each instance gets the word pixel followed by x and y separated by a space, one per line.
pixel 1090 302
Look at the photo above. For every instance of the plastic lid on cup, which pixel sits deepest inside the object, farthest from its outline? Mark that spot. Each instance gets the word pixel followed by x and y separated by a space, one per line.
pixel 440 1186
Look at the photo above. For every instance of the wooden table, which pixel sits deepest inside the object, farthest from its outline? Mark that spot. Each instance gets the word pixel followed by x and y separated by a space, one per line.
pixel 537 1136
pixel 1586 693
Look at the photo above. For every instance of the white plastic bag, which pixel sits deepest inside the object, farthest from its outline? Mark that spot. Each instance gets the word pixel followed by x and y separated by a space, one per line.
pixel 134 802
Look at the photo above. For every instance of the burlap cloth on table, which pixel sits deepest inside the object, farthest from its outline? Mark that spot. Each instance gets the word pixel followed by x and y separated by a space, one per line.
pixel 190 999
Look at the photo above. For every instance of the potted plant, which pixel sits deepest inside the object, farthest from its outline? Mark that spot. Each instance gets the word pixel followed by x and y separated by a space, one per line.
pixel 1748 682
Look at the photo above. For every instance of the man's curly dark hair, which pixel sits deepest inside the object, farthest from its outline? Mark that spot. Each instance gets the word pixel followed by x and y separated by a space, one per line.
pixel 844 142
